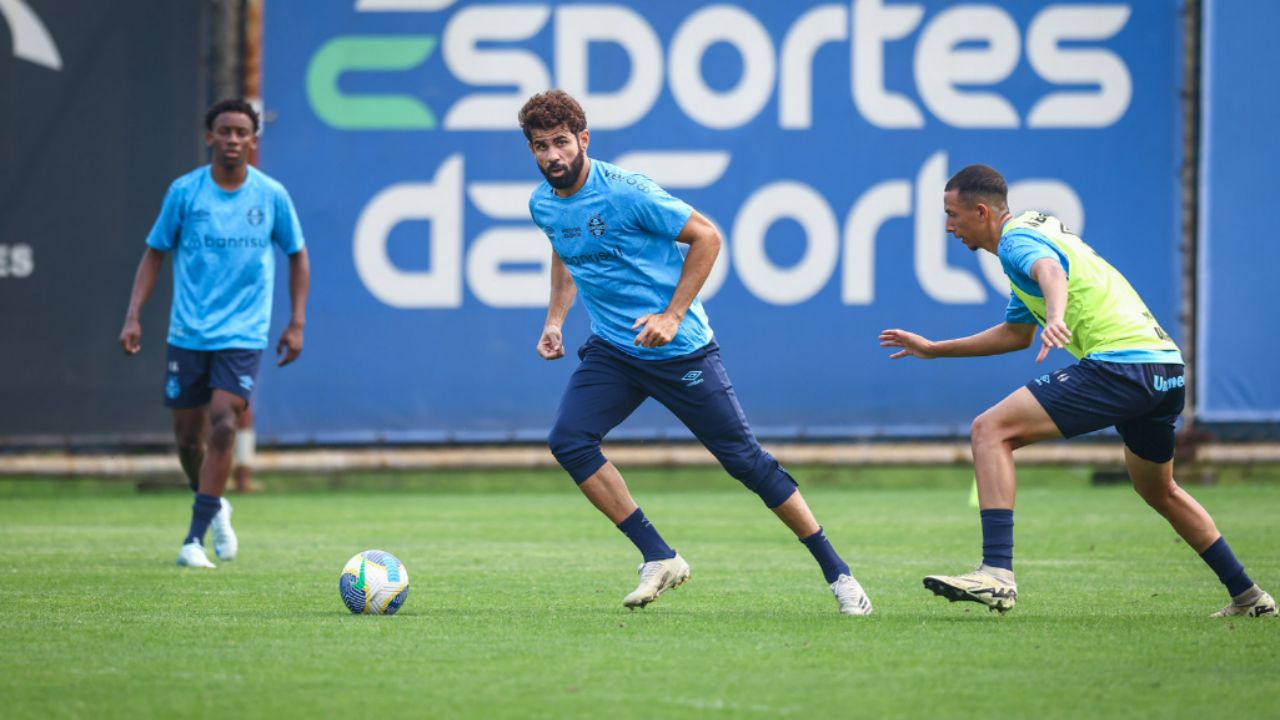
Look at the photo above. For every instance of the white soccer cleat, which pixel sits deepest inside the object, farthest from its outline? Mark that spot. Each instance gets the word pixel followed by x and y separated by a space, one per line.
pixel 852 598
pixel 990 586
pixel 225 543
pixel 192 555
pixel 657 577
pixel 1262 606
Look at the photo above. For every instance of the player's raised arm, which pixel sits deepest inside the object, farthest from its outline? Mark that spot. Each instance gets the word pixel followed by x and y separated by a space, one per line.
pixel 551 343
pixel 658 329
pixel 995 340
pixel 144 281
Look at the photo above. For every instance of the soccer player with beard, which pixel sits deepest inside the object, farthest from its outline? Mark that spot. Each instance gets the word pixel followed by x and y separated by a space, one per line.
pixel 1129 375
pixel 615 239
pixel 222 222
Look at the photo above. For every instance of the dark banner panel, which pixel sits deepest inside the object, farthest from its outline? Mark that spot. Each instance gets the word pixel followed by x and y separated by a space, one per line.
pixel 818 136
pixel 1240 174
pixel 102 105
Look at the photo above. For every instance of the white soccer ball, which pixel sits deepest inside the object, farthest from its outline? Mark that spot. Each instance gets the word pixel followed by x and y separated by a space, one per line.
pixel 374 583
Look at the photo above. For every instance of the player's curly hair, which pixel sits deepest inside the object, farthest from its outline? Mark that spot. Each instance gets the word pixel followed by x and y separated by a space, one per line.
pixel 980 183
pixel 233 105
pixel 550 110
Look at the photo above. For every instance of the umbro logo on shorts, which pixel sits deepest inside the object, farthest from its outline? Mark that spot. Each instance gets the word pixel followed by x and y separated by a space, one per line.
pixel 693 377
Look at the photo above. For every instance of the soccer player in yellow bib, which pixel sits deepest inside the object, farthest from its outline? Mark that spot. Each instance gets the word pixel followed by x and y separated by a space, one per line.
pixel 1129 375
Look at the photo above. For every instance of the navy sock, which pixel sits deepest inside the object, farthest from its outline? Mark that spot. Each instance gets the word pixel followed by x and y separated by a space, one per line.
pixel 645 537
pixel 831 564
pixel 202 512
pixel 1223 562
pixel 997 538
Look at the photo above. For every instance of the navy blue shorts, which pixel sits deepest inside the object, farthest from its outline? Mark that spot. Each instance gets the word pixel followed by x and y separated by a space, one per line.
pixel 192 375
pixel 1142 401
pixel 609 385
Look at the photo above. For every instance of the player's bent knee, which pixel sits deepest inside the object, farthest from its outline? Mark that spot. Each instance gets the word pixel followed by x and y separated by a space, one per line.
pixel 778 490
pixel 978 428
pixel 775 489
pixel 576 451
pixel 562 442
pixel 986 429
pixel 222 432
pixel 767 479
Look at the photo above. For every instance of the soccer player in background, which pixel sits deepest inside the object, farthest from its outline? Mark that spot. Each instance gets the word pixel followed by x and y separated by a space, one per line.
pixel 614 237
pixel 246 451
pixel 222 222
pixel 1129 375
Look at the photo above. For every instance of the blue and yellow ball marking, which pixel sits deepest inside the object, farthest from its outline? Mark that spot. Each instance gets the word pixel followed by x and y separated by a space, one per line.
pixel 374 582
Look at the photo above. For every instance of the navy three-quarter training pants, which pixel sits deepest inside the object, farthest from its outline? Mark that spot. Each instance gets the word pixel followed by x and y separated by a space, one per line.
pixel 609 385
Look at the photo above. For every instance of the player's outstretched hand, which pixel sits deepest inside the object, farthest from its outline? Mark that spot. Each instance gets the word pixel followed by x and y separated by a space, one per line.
pixel 551 344
pixel 912 344
pixel 1054 335
pixel 131 337
pixel 659 329
pixel 290 345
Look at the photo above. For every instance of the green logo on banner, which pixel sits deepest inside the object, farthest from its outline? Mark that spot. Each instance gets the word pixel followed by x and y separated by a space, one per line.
pixel 375 111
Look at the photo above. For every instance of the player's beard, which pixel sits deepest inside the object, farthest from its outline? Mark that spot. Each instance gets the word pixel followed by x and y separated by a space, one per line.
pixel 233 163
pixel 569 178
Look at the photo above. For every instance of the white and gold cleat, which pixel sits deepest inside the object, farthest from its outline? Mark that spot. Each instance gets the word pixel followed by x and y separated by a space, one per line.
pixel 657 577
pixel 1261 605
pixel 990 586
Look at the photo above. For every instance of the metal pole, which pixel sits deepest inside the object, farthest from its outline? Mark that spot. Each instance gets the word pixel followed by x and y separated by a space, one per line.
pixel 225 53
pixel 1191 438
pixel 1190 179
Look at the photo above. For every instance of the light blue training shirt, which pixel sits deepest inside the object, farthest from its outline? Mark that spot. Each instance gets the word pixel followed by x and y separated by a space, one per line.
pixel 223 257
pixel 616 235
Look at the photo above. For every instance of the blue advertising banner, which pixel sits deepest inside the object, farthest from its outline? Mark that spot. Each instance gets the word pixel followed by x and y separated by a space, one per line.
pixel 817 136
pixel 1239 174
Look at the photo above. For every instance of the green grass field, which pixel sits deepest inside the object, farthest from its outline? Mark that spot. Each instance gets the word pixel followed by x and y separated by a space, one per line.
pixel 515 609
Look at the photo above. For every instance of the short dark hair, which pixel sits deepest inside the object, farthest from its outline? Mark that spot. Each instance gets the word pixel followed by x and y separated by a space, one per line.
pixel 231 105
pixel 550 110
pixel 980 183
